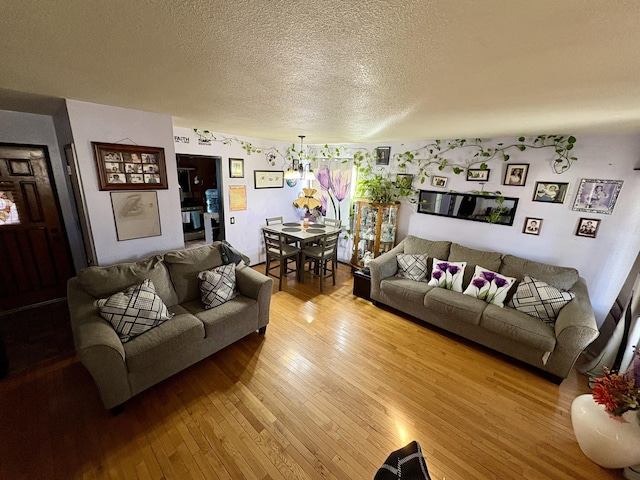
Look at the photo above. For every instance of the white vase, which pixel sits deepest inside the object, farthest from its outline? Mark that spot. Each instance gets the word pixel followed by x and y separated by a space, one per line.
pixel 608 442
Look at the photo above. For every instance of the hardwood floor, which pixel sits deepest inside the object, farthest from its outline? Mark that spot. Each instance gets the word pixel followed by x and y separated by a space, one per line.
pixel 333 387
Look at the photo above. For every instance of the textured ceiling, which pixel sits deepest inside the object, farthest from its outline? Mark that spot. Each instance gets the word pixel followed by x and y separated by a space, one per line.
pixel 336 70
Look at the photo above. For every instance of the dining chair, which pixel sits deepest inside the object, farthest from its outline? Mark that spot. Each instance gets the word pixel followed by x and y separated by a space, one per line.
pixel 279 250
pixel 274 220
pixel 321 254
pixel 333 222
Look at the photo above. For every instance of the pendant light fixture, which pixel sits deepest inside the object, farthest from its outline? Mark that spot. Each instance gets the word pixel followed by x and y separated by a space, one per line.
pixel 296 173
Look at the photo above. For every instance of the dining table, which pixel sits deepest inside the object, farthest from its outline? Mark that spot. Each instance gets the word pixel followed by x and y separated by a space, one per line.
pixel 297 232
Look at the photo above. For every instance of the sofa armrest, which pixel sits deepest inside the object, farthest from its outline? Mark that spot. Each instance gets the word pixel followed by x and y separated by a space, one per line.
pixel 98 346
pixel 382 267
pixel 255 285
pixel 575 328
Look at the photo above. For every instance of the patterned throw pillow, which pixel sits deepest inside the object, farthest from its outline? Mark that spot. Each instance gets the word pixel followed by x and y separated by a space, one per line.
pixel 539 299
pixel 447 275
pixel 413 267
pixel 218 286
pixel 134 311
pixel 489 286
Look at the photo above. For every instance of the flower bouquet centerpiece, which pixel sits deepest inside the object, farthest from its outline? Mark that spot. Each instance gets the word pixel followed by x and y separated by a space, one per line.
pixel 618 393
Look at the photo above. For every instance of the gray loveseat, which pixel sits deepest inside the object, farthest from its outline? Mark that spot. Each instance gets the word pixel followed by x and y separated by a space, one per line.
pixel 550 348
pixel 122 370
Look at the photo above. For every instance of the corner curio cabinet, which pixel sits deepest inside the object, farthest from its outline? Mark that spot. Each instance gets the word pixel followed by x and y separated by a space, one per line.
pixel 375 230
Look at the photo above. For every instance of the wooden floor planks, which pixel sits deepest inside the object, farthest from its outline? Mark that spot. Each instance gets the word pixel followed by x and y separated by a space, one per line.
pixel 333 387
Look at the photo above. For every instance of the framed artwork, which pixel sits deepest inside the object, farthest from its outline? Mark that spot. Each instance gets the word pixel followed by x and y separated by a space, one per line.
pixel 404 180
pixel 129 167
pixel 268 178
pixel 588 227
pixel 437 181
pixel 516 174
pixel 136 214
pixel 382 155
pixel 597 196
pixel 532 226
pixel 550 192
pixel 478 175
pixel 236 167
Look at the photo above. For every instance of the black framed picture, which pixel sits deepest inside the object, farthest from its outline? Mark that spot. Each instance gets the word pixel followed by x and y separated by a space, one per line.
pixel 268 178
pixel 382 155
pixel 532 226
pixel 478 174
pixel 516 174
pixel 550 192
pixel 236 167
pixel 588 227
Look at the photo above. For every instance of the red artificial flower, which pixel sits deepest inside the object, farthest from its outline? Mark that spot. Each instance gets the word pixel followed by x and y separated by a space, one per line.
pixel 616 393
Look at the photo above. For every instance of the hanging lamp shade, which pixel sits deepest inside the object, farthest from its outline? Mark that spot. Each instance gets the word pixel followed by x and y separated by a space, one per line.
pixel 308 201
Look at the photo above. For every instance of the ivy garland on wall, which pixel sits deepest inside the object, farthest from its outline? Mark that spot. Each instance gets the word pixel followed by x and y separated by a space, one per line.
pixel 378 182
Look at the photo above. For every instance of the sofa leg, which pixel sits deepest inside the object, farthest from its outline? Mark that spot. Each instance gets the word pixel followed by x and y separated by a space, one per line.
pixel 262 330
pixel 117 410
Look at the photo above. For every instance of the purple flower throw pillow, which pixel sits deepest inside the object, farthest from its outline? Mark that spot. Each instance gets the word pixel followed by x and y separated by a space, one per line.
pixel 489 286
pixel 447 275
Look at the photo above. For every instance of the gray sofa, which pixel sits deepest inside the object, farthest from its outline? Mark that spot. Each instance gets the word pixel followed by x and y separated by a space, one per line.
pixel 122 370
pixel 550 348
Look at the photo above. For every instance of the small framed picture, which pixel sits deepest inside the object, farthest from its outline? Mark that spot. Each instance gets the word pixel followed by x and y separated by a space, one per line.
pixel 516 174
pixel 437 181
pixel 588 227
pixel 550 192
pixel 382 155
pixel 268 178
pixel 236 168
pixel 478 175
pixel 404 180
pixel 597 196
pixel 532 226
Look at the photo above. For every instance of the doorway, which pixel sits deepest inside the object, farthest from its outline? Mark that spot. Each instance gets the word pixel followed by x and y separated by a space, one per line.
pixel 200 182
pixel 36 260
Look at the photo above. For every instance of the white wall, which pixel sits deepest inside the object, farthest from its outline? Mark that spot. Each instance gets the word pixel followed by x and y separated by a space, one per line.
pixel 91 122
pixel 32 129
pixel 604 261
pixel 245 234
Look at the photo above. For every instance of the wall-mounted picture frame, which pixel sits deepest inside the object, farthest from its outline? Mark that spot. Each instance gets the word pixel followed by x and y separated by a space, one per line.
pixel 404 180
pixel 129 167
pixel 550 192
pixel 268 178
pixel 597 196
pixel 437 181
pixel 383 154
pixel 532 226
pixel 478 174
pixel 588 227
pixel 236 167
pixel 136 215
pixel 516 174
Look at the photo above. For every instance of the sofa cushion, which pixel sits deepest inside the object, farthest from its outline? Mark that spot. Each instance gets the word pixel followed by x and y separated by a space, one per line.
pixel 447 275
pixel 519 327
pixel 489 260
pixel 540 300
pixel 449 304
pixel 433 249
pixel 134 311
pixel 228 322
pixel 403 289
pixel 218 285
pixel 412 266
pixel 489 286
pixel 100 282
pixel 185 265
pixel 166 342
pixel 560 277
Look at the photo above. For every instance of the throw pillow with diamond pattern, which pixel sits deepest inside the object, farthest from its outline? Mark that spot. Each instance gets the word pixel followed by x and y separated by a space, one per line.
pixel 134 311
pixel 412 266
pixel 218 286
pixel 539 299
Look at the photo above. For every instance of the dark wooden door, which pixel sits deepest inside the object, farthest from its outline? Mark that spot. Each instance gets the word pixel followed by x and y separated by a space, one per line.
pixel 34 264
